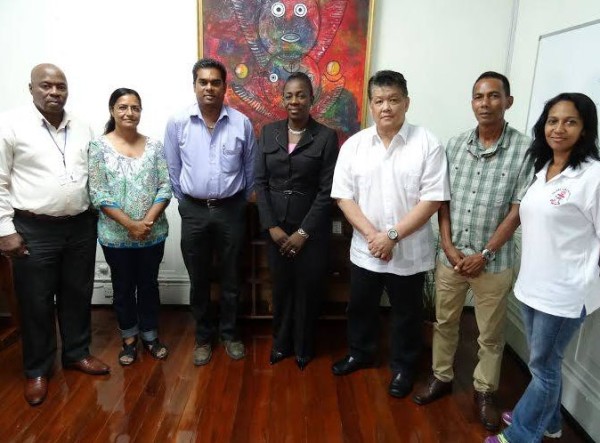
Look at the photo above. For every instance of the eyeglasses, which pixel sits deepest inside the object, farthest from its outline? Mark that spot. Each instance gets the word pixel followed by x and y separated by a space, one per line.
pixel 122 109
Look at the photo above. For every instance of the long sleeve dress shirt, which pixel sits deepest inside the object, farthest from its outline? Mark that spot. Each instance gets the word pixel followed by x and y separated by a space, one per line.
pixel 204 165
pixel 43 169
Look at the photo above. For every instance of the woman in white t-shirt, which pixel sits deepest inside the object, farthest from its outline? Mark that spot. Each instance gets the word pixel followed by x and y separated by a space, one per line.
pixel 559 279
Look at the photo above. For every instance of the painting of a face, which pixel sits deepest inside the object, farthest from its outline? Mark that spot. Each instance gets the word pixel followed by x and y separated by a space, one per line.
pixel 288 28
pixel 263 42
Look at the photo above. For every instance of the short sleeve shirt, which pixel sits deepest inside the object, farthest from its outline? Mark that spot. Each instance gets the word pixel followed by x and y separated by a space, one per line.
pixel 559 272
pixel 386 184
pixel 484 183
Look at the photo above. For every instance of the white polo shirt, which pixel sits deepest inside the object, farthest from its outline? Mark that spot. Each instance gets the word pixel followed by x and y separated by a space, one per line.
pixel 561 242
pixel 386 184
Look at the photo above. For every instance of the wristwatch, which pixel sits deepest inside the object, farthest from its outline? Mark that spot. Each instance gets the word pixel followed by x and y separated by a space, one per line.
pixel 488 255
pixel 392 235
pixel 303 233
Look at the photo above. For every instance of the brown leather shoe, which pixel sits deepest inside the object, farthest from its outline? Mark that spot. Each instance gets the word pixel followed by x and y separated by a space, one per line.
pixel 433 390
pixel 90 365
pixel 488 411
pixel 36 390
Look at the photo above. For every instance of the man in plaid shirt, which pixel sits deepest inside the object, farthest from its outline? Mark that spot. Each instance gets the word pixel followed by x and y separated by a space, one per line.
pixel 489 174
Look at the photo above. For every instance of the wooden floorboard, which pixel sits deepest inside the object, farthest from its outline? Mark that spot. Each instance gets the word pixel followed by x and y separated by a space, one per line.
pixel 247 400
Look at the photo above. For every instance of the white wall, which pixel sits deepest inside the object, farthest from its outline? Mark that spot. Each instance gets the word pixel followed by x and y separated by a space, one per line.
pixel 147 45
pixel 537 18
pixel 581 368
pixel 441 47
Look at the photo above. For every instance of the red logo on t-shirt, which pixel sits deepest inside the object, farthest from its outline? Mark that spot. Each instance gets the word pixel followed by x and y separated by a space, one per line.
pixel 560 196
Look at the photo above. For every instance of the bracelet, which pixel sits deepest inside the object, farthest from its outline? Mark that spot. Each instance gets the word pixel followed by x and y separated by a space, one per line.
pixel 303 233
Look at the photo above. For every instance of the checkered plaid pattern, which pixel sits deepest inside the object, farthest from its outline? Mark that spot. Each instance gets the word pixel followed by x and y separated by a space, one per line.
pixel 484 183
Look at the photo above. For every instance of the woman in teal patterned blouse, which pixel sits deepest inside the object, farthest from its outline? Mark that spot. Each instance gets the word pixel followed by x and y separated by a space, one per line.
pixel 129 184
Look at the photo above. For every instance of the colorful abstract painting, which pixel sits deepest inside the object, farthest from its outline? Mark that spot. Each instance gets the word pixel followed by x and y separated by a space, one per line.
pixel 261 42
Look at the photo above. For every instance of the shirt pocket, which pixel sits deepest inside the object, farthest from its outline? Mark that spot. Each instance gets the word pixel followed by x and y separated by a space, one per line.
pixel 411 184
pixel 231 156
pixel 502 182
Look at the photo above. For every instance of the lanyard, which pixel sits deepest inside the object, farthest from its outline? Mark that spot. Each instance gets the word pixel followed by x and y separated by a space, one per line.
pixel 62 151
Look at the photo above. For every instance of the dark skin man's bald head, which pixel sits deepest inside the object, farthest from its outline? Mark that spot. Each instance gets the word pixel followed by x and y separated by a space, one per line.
pixel 50 91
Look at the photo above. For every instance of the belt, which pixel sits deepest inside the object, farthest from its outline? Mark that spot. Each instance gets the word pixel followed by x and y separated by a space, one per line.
pixel 287 191
pixel 44 217
pixel 213 202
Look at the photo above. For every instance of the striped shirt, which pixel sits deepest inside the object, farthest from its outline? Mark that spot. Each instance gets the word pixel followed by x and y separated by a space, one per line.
pixel 484 183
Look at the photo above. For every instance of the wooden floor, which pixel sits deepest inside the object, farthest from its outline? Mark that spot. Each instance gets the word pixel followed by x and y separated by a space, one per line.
pixel 241 401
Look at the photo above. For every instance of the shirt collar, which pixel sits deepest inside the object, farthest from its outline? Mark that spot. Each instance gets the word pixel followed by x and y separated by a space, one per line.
pixel 402 133
pixel 195 112
pixel 43 121
pixel 473 139
pixel 569 172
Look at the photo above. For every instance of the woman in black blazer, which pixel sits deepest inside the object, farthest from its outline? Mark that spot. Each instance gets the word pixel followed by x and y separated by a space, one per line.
pixel 294 171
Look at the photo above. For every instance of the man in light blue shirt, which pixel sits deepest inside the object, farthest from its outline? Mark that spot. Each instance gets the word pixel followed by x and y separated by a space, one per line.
pixel 209 148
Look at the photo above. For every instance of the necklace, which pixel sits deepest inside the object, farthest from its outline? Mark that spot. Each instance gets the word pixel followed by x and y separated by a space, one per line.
pixel 211 127
pixel 293 131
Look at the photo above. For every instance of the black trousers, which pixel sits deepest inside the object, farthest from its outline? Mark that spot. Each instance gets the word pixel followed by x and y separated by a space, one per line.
pixel 61 264
pixel 406 300
pixel 298 286
pixel 204 231
pixel 134 275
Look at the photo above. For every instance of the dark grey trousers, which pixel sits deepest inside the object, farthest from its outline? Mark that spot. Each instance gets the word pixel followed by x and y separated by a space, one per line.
pixel 61 264
pixel 204 232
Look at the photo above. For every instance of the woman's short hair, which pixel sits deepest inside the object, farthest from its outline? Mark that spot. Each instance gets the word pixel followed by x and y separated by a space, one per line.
pixel 303 77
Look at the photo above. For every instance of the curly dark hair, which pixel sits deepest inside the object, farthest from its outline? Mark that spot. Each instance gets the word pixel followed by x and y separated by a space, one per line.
pixel 587 145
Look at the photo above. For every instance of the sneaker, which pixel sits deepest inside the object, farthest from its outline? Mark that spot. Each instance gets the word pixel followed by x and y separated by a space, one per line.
pixel 202 354
pixel 507 418
pixel 235 349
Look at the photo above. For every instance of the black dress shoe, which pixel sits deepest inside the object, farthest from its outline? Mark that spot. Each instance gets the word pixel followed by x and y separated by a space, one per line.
pixel 277 356
pixel 432 390
pixel 401 385
pixel 302 362
pixel 488 411
pixel 349 364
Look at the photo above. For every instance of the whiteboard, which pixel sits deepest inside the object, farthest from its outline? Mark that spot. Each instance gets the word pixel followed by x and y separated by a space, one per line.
pixel 567 61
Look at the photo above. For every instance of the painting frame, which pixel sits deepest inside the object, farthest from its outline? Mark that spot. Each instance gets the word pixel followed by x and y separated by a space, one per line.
pixel 359 94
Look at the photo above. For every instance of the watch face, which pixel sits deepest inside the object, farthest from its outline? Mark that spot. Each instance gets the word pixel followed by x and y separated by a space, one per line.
pixel 488 255
pixel 392 234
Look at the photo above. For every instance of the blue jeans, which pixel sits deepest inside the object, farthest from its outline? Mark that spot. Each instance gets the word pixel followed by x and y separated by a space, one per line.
pixel 136 299
pixel 538 410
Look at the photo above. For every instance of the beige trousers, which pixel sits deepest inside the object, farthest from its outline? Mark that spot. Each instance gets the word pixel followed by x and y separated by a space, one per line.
pixel 490 298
